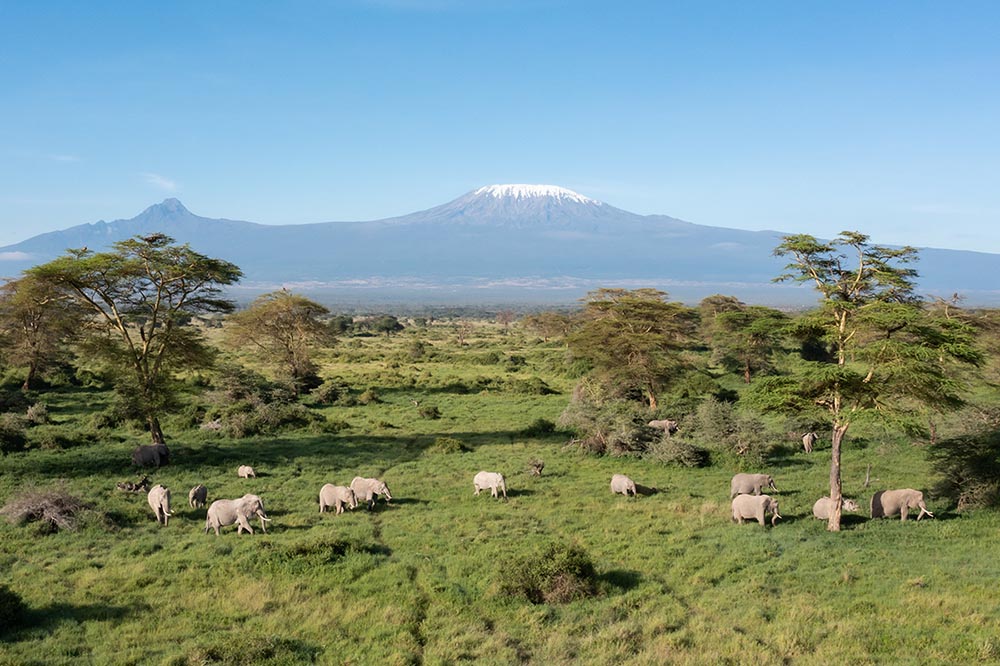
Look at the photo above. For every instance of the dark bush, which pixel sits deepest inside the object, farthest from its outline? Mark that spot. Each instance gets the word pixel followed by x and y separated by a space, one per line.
pixel 527 386
pixel 248 420
pixel 330 391
pixel 12 433
pixel 539 428
pixel 559 573
pixel 970 469
pixel 12 608
pixel 369 397
pixel 674 450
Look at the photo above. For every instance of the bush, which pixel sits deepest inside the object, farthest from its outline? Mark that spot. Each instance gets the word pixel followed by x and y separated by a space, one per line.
pixel 330 391
pixel 737 436
pixel 539 428
pixel 12 433
pixel 12 608
pixel 969 468
pixel 559 573
pixel 248 420
pixel 446 445
pixel 429 412
pixel 677 451
pixel 54 438
pixel 369 397
pixel 54 508
pixel 38 414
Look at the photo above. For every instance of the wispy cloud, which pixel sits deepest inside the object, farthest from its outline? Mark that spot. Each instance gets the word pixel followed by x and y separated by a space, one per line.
pixel 64 158
pixel 14 256
pixel 159 181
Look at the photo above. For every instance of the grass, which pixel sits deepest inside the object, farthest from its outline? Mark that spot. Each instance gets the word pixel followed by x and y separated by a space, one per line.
pixel 418 581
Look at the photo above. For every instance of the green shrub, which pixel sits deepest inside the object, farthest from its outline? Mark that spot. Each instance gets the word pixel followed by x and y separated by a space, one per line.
pixel 429 412
pixel 38 414
pixel 12 433
pixel 12 608
pixel 446 445
pixel 539 428
pixel 970 469
pixel 369 397
pixel 559 573
pixel 675 450
pixel 54 438
pixel 252 650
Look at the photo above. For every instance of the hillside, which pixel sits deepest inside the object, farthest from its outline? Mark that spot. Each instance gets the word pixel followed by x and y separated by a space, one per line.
pixel 501 243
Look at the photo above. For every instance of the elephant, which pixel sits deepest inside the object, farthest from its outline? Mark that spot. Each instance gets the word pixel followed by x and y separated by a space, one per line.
pixel 337 497
pixel 491 480
pixel 226 512
pixel 159 502
pixel 150 454
pixel 808 440
pixel 668 426
pixel 755 506
pixel 246 472
pixel 197 496
pixel 622 484
pixel 744 484
pixel 824 507
pixel 368 489
pixel 890 502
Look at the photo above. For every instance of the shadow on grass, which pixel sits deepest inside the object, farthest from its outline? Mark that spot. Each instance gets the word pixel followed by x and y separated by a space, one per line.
pixel 47 618
pixel 622 579
pixel 646 490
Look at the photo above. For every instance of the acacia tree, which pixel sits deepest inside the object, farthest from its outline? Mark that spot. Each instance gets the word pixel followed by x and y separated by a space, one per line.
pixel 743 337
pixel 633 338
pixel 886 353
pixel 36 322
pixel 142 296
pixel 286 328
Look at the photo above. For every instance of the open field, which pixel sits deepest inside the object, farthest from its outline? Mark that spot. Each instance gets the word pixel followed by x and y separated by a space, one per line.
pixel 417 581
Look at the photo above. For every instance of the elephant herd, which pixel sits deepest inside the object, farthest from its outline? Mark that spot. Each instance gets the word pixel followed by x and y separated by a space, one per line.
pixel 239 511
pixel 748 502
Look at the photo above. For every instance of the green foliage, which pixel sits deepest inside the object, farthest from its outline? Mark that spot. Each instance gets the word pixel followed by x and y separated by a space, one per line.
pixel 738 437
pixel 557 574
pixel 968 469
pixel 369 396
pixel 12 433
pixel 674 450
pixel 252 650
pixel 429 412
pixel 446 445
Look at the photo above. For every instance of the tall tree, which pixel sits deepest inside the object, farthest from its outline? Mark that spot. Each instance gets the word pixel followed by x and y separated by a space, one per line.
pixel 743 337
pixel 286 328
pixel 634 338
pixel 886 353
pixel 143 295
pixel 36 321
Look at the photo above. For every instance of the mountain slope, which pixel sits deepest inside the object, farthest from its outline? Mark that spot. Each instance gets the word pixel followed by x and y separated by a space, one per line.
pixel 538 240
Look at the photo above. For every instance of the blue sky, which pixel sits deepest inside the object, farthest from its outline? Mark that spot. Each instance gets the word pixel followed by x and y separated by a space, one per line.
pixel 882 117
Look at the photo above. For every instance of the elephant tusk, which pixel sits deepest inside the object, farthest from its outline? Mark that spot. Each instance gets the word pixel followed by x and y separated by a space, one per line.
pixel 265 518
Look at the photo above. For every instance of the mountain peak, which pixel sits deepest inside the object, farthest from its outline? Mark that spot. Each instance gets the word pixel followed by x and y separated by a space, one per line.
pixel 520 191
pixel 169 206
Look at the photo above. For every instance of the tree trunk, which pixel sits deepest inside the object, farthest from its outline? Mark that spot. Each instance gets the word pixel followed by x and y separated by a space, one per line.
pixel 746 374
pixel 836 494
pixel 154 430
pixel 651 397
pixel 30 379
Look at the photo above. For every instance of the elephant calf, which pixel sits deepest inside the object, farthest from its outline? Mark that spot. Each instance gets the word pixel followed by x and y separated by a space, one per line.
pixel 197 496
pixel 226 512
pixel 368 489
pixel 491 480
pixel 823 508
pixel 246 472
pixel 337 497
pixel 890 502
pixel 745 484
pixel 159 502
pixel 622 484
pixel 754 506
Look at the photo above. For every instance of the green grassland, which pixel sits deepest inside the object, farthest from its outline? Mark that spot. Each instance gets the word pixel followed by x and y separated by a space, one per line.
pixel 417 580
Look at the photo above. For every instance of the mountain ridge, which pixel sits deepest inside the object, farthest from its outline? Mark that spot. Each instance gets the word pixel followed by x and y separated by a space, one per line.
pixel 540 240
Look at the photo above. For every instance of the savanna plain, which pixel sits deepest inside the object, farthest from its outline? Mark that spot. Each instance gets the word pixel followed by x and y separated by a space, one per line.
pixel 431 576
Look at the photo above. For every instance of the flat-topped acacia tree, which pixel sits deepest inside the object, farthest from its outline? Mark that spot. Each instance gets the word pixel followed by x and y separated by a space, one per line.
pixel 887 352
pixel 142 295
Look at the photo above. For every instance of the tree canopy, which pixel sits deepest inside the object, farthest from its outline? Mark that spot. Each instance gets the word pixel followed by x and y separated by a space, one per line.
pixel 141 297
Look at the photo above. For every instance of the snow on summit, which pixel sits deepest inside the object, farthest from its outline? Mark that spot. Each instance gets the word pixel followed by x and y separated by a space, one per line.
pixel 519 192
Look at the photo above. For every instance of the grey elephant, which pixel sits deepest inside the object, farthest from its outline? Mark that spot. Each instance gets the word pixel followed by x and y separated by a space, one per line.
pixel 246 472
pixel 823 508
pixel 368 489
pixel 226 512
pixel 745 484
pixel 669 426
pixel 338 497
pixel 492 480
pixel 197 496
pixel 150 454
pixel 887 503
pixel 746 507
pixel 808 440
pixel 159 502
pixel 622 484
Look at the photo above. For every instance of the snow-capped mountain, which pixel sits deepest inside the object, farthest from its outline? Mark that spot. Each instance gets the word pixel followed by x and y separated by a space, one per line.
pixel 498 242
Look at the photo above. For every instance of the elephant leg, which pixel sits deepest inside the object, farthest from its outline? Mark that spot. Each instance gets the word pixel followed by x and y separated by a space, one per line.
pixel 904 511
